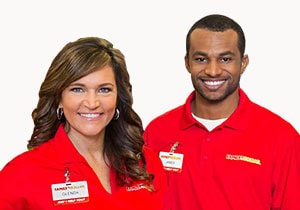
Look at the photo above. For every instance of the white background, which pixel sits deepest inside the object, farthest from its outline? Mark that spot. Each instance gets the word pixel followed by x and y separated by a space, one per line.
pixel 151 34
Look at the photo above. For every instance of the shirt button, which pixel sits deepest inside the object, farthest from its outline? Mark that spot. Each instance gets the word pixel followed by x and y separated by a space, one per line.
pixel 205 157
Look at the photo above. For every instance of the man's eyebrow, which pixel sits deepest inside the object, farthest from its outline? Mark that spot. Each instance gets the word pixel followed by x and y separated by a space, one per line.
pixel 205 54
pixel 227 53
pixel 199 53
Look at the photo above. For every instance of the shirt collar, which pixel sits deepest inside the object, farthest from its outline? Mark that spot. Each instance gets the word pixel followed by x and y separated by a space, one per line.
pixel 237 120
pixel 64 147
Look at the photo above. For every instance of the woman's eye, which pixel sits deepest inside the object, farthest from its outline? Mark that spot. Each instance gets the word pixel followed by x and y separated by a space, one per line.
pixel 77 90
pixel 104 90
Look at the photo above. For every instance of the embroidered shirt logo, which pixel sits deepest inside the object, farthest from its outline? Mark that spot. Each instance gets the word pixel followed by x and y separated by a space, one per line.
pixel 135 187
pixel 243 158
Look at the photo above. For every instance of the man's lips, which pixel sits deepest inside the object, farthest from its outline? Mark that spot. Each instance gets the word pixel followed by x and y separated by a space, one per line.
pixel 213 84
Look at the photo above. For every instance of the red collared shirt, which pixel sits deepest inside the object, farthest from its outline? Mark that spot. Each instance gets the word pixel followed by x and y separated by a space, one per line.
pixel 250 161
pixel 25 182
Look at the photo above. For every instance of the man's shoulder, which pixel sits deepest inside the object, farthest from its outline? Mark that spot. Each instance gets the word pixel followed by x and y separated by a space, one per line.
pixel 171 114
pixel 261 115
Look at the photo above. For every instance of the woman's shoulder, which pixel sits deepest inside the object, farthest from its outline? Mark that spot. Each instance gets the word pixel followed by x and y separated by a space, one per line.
pixel 150 154
pixel 28 160
pixel 153 162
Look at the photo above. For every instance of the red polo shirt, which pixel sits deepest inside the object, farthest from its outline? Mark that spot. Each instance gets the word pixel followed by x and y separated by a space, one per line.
pixel 25 182
pixel 250 161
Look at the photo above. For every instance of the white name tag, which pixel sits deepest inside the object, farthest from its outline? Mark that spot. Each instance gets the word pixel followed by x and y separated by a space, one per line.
pixel 70 193
pixel 171 161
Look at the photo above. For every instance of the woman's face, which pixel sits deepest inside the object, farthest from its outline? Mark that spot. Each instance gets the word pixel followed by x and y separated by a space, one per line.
pixel 89 103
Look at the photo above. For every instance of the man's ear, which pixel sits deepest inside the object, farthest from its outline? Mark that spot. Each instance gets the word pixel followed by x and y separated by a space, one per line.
pixel 187 65
pixel 245 62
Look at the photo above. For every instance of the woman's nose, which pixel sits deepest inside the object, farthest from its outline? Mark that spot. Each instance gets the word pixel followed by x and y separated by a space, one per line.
pixel 92 100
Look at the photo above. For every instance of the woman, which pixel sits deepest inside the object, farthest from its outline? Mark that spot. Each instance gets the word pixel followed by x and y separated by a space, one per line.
pixel 86 150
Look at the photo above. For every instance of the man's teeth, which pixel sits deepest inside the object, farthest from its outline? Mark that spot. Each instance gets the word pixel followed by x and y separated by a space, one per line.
pixel 214 82
pixel 89 115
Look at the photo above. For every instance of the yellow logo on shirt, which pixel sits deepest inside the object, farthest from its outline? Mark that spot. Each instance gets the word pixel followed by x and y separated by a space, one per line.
pixel 243 158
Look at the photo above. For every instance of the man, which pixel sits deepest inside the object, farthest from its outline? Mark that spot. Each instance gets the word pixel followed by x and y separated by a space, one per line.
pixel 221 151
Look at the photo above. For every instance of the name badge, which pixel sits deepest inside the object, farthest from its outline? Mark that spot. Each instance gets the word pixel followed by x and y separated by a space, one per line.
pixel 171 161
pixel 70 193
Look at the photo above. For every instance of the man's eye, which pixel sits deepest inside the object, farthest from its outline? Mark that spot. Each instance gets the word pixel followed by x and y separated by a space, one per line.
pixel 201 59
pixel 225 60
